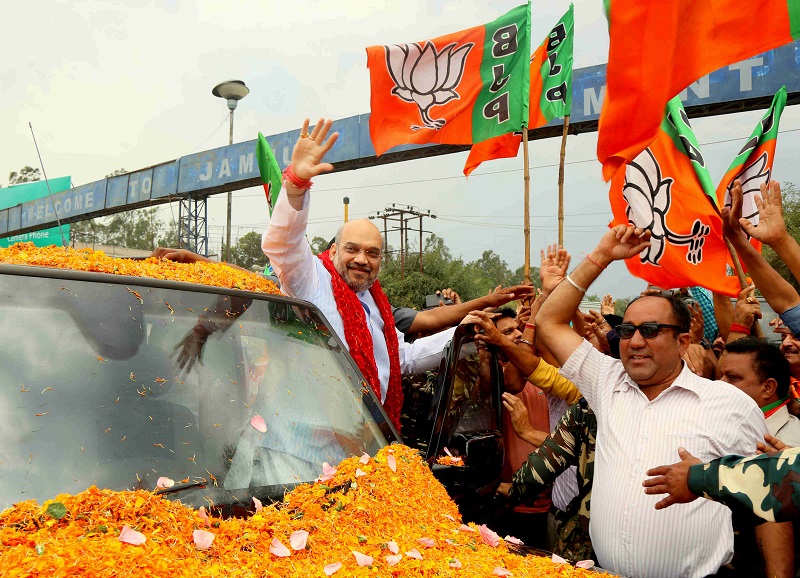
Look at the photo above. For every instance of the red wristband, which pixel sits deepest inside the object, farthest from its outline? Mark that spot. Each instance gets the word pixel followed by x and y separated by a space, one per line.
pixel 530 326
pixel 288 174
pixel 738 328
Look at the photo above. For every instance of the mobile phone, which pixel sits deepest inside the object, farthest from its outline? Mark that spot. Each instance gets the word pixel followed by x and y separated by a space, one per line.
pixel 434 300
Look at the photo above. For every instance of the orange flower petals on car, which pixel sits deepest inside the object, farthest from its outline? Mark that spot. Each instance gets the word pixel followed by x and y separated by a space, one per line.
pixel 214 274
pixel 331 528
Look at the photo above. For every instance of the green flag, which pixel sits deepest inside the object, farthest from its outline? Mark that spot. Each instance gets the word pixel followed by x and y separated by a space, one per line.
pixel 270 171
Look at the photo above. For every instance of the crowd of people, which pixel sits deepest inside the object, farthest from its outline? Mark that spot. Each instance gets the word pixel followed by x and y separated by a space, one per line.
pixel 597 405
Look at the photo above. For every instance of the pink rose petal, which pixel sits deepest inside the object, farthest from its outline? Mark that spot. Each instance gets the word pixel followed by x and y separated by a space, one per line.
pixel 327 469
pixel 364 458
pixel 202 539
pixel 556 559
pixel 279 549
pixel 465 528
pixel 298 540
pixel 129 536
pixel 489 537
pixel 449 541
pixel 414 554
pixel 390 451
pixel 257 504
pixel 393 547
pixel 204 515
pixel 448 452
pixel 513 540
pixel 392 463
pixel 499 571
pixel 323 479
pixel 449 517
pixel 258 423
pixel 585 564
pixel 359 473
pixel 455 563
pixel 427 542
pixel 163 483
pixel 331 568
pixel 362 559
pixel 393 559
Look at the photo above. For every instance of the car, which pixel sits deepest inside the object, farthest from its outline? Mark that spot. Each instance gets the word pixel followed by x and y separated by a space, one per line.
pixel 121 381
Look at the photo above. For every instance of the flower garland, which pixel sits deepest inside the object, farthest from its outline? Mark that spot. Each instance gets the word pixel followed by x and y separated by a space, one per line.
pixel 370 516
pixel 215 274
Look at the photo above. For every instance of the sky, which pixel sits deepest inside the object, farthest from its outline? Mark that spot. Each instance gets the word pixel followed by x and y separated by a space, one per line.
pixel 109 85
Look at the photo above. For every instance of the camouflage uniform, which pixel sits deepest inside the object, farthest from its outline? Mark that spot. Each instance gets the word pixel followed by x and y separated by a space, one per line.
pixel 764 485
pixel 572 443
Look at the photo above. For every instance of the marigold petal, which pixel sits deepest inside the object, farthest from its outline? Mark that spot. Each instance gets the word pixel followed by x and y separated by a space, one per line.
pixel 163 483
pixel 202 539
pixel 392 461
pixel 362 559
pixel 130 536
pixel 278 549
pixel 258 422
pixel 393 559
pixel 298 539
pixel 331 568
pixel 414 554
pixel 393 547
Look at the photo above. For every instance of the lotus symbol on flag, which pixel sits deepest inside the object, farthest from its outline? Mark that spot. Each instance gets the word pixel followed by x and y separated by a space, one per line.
pixel 648 195
pixel 426 77
pixel 752 177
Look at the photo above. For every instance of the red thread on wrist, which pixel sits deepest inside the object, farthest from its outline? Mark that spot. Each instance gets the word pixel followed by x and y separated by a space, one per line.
pixel 289 175
pixel 530 325
pixel 594 262
pixel 738 328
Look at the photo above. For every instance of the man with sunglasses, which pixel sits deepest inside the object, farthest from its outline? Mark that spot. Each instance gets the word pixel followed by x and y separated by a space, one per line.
pixel 648 403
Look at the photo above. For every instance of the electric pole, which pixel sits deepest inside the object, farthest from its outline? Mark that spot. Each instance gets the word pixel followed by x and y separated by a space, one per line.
pixel 402 214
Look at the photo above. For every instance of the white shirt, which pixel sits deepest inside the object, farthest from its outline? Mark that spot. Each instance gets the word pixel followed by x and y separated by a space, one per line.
pixel 708 418
pixel 785 427
pixel 303 276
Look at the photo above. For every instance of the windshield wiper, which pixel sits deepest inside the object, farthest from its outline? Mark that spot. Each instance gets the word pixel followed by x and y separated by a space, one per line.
pixel 201 483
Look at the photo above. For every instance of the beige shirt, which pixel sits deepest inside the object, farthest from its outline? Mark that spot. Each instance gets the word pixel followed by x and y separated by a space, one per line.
pixel 785 427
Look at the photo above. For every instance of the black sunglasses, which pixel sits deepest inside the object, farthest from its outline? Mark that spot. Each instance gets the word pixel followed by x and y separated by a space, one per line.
pixel 646 330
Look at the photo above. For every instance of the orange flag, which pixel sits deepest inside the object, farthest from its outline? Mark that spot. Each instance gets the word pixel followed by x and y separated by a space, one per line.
pixel 461 88
pixel 550 93
pixel 661 190
pixel 659 47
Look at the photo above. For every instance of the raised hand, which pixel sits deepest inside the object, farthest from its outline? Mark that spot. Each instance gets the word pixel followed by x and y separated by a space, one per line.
pixel 553 268
pixel 622 242
pixel 486 330
pixel 698 324
pixel 747 308
pixel 449 294
pixel 607 305
pixel 732 216
pixel 771 226
pixel 310 148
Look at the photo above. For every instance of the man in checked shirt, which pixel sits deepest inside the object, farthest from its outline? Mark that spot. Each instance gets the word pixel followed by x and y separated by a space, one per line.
pixel 648 403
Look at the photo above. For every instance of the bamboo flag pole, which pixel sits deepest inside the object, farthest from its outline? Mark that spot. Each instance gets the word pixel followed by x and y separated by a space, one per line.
pixel 527 226
pixel 561 182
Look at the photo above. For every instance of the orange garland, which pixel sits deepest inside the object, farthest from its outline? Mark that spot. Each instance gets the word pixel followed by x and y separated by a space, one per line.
pixel 215 274
pixel 364 507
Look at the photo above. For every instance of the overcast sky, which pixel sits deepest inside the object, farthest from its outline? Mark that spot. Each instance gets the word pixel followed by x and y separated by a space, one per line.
pixel 111 85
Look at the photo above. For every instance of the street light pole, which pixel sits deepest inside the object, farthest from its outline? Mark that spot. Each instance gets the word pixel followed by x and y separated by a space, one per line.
pixel 233 91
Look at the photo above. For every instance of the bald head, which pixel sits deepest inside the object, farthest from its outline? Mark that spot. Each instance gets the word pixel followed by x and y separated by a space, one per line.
pixel 356 254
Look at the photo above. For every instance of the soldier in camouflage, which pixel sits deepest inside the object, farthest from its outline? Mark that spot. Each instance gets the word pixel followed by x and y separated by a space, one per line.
pixel 572 443
pixel 765 485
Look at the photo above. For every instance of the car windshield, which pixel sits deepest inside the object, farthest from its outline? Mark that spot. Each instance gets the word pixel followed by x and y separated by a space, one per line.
pixel 93 391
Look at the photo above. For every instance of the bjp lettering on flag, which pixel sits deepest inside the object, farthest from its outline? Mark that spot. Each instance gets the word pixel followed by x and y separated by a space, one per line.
pixel 753 165
pixel 665 189
pixel 550 93
pixel 658 48
pixel 461 88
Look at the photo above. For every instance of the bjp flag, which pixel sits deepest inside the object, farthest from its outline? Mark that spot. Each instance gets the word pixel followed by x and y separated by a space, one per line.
pixel 659 47
pixel 271 176
pixel 666 189
pixel 753 165
pixel 461 88
pixel 550 93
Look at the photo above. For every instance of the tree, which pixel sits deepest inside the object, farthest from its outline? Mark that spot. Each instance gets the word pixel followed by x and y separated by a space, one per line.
pixel 25 175
pixel 318 245
pixel 116 173
pixel 248 251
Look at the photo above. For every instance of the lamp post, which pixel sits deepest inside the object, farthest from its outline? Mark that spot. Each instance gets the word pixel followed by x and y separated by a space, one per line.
pixel 233 91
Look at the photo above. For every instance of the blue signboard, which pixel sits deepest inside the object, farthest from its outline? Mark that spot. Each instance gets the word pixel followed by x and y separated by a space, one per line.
pixel 230 167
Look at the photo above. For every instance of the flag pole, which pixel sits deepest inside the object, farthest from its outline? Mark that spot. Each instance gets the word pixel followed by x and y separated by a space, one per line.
pixel 737 265
pixel 561 182
pixel 527 215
